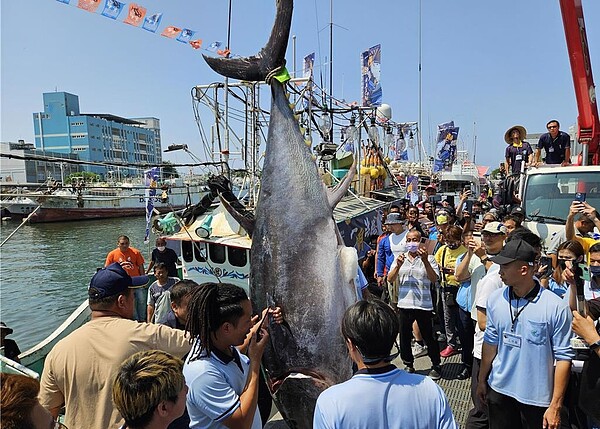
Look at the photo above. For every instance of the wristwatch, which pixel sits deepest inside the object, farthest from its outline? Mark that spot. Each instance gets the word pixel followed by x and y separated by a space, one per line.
pixel 595 345
pixel 484 259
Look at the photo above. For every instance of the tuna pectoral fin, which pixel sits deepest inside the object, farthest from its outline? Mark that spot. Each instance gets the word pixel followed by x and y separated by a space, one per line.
pixel 271 57
pixel 239 213
pixel 296 398
pixel 335 194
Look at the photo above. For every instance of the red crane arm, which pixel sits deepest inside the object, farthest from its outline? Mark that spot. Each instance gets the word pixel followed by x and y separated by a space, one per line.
pixel 588 132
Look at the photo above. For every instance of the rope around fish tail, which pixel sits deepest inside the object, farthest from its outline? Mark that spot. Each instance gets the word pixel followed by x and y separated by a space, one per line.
pixel 279 73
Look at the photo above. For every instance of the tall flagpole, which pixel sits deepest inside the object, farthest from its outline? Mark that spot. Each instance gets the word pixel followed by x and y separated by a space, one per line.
pixel 420 94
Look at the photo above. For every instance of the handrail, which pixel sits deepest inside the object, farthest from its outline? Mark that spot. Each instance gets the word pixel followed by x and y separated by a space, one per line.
pixel 22 223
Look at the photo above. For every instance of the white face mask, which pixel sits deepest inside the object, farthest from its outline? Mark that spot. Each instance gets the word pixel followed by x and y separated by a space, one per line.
pixel 412 247
pixel 161 248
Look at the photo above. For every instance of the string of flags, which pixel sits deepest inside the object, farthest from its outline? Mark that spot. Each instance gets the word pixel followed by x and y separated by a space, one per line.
pixel 138 16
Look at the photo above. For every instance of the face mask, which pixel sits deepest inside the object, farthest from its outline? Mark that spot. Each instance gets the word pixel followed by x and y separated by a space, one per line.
pixel 161 248
pixel 595 270
pixel 413 247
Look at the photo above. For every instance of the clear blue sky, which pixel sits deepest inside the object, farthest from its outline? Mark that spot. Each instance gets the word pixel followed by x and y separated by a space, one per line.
pixel 493 63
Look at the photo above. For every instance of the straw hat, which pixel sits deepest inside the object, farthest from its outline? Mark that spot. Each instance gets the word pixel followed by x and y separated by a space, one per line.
pixel 520 128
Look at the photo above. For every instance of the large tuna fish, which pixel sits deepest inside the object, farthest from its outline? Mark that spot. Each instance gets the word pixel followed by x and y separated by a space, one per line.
pixel 298 259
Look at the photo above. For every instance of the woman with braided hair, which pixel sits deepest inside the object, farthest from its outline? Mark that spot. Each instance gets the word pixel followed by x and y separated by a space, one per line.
pixel 223 382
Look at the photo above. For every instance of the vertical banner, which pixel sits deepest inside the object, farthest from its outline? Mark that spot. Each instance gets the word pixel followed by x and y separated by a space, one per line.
pixel 112 9
pixel 412 188
pixel 445 152
pixel 136 15
pixel 371 76
pixel 401 151
pixel 151 185
pixel 308 65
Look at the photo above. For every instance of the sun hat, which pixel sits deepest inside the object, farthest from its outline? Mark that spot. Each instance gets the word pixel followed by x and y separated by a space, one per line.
pixel 393 218
pixel 520 128
pixel 515 250
pixel 113 280
pixel 494 228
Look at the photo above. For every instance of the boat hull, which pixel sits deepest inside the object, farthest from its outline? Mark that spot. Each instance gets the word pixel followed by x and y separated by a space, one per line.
pixel 70 214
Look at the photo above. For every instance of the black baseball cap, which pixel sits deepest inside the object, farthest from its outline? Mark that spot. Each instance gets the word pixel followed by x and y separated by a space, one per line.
pixel 515 250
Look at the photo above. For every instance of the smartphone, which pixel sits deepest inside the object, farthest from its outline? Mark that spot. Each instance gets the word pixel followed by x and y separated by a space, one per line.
pixel 547 261
pixel 469 206
pixel 580 196
pixel 479 218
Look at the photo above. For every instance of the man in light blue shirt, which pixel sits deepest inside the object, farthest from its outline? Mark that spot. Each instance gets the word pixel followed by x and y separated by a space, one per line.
pixel 379 395
pixel 527 329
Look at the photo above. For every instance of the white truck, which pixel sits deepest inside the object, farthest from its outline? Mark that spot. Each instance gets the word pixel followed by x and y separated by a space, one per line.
pixel 549 191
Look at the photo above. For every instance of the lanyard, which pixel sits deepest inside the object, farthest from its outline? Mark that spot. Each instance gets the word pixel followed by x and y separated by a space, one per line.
pixel 515 316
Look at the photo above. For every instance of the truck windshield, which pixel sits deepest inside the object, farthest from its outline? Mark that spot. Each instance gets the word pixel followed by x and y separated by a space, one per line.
pixel 547 197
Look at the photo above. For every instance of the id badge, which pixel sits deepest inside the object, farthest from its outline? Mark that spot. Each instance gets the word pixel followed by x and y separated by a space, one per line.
pixel 551 149
pixel 519 158
pixel 511 340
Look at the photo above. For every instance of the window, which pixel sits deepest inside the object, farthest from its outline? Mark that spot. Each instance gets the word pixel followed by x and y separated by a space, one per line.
pixel 200 251
pixel 237 257
pixel 187 251
pixel 217 253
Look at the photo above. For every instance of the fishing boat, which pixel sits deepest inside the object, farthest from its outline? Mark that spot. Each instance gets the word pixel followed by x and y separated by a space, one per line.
pixel 99 200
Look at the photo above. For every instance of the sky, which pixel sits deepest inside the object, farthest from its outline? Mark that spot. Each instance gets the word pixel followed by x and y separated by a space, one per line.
pixel 486 65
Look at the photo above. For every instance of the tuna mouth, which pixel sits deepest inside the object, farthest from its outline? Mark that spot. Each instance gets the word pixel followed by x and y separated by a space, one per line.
pixel 297 373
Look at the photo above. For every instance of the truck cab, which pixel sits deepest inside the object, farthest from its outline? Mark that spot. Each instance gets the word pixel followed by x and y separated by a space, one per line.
pixel 549 191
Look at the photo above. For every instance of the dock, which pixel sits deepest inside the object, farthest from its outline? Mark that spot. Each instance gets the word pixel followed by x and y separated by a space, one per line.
pixel 457 391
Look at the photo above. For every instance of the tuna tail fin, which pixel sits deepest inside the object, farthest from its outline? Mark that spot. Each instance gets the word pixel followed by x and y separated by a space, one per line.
pixel 270 58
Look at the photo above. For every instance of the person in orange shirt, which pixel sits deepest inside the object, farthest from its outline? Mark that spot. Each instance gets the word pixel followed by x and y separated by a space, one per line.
pixel 132 261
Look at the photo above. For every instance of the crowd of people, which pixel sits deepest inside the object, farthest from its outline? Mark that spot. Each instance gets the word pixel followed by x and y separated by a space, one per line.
pixel 439 281
pixel 502 300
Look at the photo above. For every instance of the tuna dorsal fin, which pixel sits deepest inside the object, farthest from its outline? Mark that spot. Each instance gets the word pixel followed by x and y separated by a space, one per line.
pixel 336 193
pixel 271 57
pixel 246 222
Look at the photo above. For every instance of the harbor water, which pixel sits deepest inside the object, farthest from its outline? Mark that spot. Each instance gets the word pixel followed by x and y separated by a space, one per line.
pixel 45 270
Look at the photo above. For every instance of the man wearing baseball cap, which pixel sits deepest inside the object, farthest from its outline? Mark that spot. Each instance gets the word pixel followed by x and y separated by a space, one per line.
pixel 79 371
pixel 389 247
pixel 528 329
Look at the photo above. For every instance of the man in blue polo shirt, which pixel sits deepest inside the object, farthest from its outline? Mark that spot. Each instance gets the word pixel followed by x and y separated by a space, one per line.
pixel 556 145
pixel 527 329
pixel 379 395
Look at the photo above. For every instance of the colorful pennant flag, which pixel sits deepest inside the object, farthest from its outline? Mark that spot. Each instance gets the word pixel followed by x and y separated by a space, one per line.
pixel 171 32
pixel 152 22
pixel 136 15
pixel 112 9
pixel 89 5
pixel 196 44
pixel 185 36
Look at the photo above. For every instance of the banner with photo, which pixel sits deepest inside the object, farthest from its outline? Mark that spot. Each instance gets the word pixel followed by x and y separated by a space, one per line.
pixel 445 152
pixel 151 185
pixel 308 65
pixel 412 188
pixel 371 77
pixel 356 232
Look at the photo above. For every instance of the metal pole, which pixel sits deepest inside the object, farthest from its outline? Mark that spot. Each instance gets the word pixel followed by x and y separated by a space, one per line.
pixel 331 68
pixel 420 81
